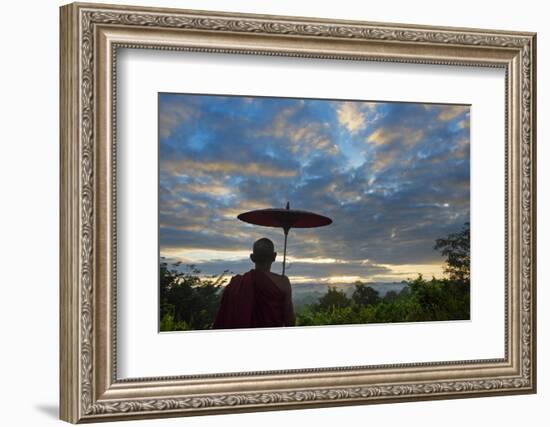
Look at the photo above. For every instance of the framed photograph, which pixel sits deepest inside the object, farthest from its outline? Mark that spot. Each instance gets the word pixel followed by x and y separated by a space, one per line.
pixel 267 212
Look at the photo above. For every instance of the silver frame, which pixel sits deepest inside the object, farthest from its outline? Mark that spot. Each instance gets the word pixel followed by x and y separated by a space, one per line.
pixel 90 37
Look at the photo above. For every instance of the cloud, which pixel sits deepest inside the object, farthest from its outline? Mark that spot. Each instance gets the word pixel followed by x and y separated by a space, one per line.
pixel 393 177
pixel 173 115
pixel 278 127
pixel 405 136
pixel 302 272
pixel 447 113
pixel 299 131
pixel 213 189
pixel 310 137
pixel 351 115
pixel 191 167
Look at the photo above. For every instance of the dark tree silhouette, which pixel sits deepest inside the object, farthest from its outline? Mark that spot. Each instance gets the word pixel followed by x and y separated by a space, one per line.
pixel 187 301
pixel 333 299
pixel 456 247
pixel 420 300
pixel 390 296
pixel 365 295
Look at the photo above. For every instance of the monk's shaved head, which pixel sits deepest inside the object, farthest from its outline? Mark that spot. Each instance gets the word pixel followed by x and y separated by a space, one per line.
pixel 263 251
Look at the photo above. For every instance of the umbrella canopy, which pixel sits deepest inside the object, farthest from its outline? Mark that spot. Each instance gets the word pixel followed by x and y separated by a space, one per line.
pixel 286 219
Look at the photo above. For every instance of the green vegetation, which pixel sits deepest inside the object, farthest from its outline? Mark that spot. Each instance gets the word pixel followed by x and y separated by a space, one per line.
pixel 189 302
pixel 420 300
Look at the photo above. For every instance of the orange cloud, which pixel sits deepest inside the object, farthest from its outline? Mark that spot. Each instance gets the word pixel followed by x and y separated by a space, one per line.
pixel 189 167
pixel 351 116
pixel 409 137
pixel 450 112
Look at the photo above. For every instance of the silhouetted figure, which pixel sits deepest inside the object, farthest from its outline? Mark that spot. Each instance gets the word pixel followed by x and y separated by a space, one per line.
pixel 259 298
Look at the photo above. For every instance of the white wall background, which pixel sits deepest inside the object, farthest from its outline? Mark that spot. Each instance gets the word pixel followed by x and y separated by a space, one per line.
pixel 29 171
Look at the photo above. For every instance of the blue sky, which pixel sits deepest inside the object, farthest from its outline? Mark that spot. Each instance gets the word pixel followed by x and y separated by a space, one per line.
pixel 392 176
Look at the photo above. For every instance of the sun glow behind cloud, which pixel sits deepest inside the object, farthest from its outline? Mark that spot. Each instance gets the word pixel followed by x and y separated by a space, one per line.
pixel 393 177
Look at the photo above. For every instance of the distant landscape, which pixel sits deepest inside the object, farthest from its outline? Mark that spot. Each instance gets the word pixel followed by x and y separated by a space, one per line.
pixel 190 302
pixel 309 293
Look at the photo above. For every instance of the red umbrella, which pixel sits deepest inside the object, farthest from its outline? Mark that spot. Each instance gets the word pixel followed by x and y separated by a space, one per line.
pixel 285 219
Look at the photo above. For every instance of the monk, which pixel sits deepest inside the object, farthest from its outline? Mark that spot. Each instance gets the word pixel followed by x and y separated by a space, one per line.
pixel 258 298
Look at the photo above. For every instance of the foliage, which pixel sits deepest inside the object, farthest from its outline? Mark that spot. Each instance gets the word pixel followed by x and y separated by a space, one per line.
pixel 365 295
pixel 420 299
pixel 456 247
pixel 433 300
pixel 190 302
pixel 187 301
pixel 390 296
pixel 333 299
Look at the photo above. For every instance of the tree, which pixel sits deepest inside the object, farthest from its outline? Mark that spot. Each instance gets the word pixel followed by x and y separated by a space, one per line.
pixel 405 291
pixel 365 295
pixel 456 247
pixel 187 301
pixel 333 299
pixel 391 296
pixel 419 300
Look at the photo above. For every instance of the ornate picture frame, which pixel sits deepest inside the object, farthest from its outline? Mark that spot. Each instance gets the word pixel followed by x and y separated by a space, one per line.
pixel 90 37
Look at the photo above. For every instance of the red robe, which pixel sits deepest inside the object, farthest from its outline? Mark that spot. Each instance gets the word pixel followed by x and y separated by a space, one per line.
pixel 251 300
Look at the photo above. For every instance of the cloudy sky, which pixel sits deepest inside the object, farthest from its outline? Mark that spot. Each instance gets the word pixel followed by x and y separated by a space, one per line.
pixel 392 176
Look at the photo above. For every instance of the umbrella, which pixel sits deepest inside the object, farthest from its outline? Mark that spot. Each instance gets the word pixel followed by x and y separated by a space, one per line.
pixel 285 219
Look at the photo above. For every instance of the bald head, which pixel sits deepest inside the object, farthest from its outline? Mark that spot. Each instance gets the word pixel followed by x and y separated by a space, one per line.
pixel 263 251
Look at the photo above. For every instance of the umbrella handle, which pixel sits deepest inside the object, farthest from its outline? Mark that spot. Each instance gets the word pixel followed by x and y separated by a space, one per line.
pixel 284 253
